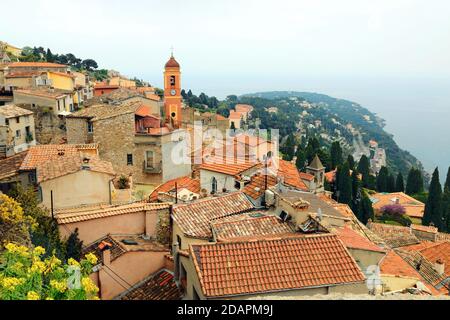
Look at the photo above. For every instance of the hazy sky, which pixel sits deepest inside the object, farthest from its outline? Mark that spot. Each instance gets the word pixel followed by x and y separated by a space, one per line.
pixel 243 44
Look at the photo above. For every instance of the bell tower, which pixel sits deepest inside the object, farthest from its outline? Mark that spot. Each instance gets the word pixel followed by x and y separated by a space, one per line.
pixel 172 92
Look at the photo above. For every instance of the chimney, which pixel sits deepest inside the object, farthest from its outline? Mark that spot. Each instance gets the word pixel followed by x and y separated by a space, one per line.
pixel 439 266
pixel 105 248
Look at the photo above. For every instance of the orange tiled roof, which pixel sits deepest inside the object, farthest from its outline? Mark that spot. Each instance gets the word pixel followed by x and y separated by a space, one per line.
pixel 354 240
pixel 47 93
pixel 41 154
pixel 78 215
pixel 12 111
pixel 37 65
pixel 235 115
pixel 67 75
pixel 194 218
pixel 152 96
pixel 394 236
pixel 65 165
pixel 192 185
pixel 413 208
pixel 255 188
pixel 252 267
pixel 306 176
pixel 232 166
pixel 429 229
pixel 291 175
pixel 29 74
pixel 250 225
pixel 10 166
pixel 434 251
pixel 243 108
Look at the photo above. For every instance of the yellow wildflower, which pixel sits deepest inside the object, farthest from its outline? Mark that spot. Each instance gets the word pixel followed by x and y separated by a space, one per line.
pixel 38 266
pixel 91 258
pixel 60 286
pixel 49 298
pixel 89 285
pixel 31 295
pixel 73 262
pixel 39 251
pixel 10 283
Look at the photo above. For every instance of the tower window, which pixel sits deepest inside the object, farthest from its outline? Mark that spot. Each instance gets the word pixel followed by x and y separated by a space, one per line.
pixel 172 80
pixel 173 114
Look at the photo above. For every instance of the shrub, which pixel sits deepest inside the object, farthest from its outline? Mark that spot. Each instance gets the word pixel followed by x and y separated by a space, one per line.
pixel 393 209
pixel 123 182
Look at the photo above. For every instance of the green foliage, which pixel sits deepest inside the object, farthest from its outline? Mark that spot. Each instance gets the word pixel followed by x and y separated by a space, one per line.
pixel 414 182
pixel 74 246
pixel 433 206
pixel 25 274
pixel 391 183
pixel 399 183
pixel 351 162
pixel 336 158
pixel 344 184
pixel 123 182
pixel 199 102
pixel 365 211
pixel 364 169
pixel 382 180
pixel 301 161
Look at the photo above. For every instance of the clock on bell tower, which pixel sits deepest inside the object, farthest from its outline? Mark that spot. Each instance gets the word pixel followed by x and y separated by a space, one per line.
pixel 172 92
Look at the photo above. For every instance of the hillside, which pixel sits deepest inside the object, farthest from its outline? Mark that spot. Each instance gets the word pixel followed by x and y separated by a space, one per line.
pixel 330 119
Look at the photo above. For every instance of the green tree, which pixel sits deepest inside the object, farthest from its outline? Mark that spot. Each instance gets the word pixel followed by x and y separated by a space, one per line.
pixel 300 162
pixel 364 169
pixel 366 209
pixel 351 162
pixel 399 183
pixel 335 155
pixel 382 180
pixel 89 64
pixel 391 183
pixel 345 185
pixel 433 206
pixel 356 193
pixel 74 246
pixel 414 181
pixel 447 180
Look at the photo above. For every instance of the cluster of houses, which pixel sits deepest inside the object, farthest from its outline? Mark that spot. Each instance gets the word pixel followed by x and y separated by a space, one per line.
pixel 224 218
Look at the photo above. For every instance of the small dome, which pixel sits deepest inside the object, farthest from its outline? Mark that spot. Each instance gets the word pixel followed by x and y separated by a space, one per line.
pixel 172 63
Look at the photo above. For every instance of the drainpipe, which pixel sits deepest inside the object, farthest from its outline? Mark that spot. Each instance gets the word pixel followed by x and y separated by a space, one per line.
pixel 109 187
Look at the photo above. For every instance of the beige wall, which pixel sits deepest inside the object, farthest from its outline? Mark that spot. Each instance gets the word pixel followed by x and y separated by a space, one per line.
pixel 366 258
pixel 20 143
pixel 127 270
pixel 394 283
pixel 94 229
pixel 81 188
pixel 26 82
pixel 44 102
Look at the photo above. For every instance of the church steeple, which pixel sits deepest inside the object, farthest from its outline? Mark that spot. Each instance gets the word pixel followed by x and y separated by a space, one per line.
pixel 172 92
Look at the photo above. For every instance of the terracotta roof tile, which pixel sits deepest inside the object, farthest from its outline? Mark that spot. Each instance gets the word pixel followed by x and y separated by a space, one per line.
pixel 13 111
pixel 83 215
pixel 434 251
pixel 106 111
pixel 252 267
pixel 229 166
pixel 192 185
pixel 255 188
pixel 413 207
pixel 36 65
pixel 254 224
pixel 290 174
pixel 160 286
pixel 194 218
pixel 47 93
pixel 354 240
pixel 10 166
pixel 70 164
pixel 41 154
pixel 394 236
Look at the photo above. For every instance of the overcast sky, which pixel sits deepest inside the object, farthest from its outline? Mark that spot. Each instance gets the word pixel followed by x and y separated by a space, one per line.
pixel 247 43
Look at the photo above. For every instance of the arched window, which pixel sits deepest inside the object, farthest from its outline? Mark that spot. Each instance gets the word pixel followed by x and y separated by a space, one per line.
pixel 213 185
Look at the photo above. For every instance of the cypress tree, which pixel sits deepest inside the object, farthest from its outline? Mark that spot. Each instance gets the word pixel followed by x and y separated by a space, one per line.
pixel 74 246
pixel 335 155
pixel 414 182
pixel 447 180
pixel 364 169
pixel 301 159
pixel 351 162
pixel 433 206
pixel 356 193
pixel 390 183
pixel 382 180
pixel 366 209
pixel 345 185
pixel 399 183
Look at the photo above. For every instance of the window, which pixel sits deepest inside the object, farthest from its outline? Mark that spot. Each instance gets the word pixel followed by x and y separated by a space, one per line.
pixel 18 134
pixel 179 241
pixel 213 185
pixel 7 122
pixel 172 80
pixel 90 127
pixel 149 159
pixel 129 159
pixel 59 105
pixel 18 119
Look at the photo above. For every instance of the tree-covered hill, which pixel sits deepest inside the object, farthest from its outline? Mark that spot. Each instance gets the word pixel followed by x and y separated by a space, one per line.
pixel 331 119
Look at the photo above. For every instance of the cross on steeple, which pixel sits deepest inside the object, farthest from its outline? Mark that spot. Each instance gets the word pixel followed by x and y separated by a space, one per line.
pixel 171 51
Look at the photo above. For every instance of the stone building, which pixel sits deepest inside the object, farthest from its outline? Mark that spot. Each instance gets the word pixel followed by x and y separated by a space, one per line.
pixel 132 138
pixel 17 131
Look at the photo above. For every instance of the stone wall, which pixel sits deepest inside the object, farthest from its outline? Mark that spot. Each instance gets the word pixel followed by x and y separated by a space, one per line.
pixel 76 130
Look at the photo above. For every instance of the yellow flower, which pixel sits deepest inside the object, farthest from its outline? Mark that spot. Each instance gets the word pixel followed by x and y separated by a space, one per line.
pixel 39 251
pixel 91 258
pixel 73 262
pixel 49 298
pixel 17 266
pixel 60 286
pixel 89 285
pixel 38 266
pixel 53 262
pixel 10 283
pixel 31 295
